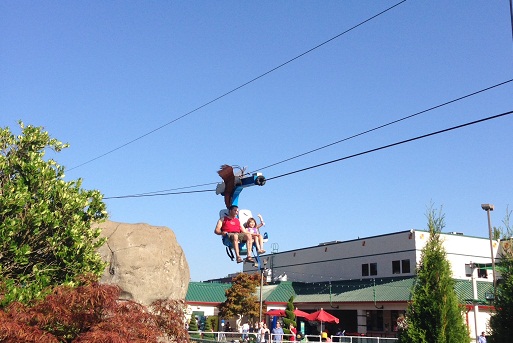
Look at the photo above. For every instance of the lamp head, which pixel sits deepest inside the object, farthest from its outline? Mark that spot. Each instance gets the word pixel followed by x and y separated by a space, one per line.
pixel 487 207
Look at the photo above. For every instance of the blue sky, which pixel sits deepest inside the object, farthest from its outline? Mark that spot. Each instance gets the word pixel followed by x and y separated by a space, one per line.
pixel 100 74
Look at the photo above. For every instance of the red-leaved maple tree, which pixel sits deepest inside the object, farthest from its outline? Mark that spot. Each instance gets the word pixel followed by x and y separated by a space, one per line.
pixel 92 312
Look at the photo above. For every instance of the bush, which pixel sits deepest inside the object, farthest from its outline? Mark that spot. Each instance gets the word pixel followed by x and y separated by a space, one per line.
pixel 91 312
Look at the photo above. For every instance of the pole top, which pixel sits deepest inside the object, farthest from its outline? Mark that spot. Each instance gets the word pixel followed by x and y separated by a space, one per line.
pixel 487 207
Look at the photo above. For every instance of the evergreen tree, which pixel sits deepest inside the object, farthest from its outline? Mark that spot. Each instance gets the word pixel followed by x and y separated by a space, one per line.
pixel 501 321
pixel 290 316
pixel 193 326
pixel 208 330
pixel 434 314
pixel 214 322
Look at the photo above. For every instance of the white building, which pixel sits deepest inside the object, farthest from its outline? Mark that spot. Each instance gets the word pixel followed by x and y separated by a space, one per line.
pixel 366 282
pixel 381 256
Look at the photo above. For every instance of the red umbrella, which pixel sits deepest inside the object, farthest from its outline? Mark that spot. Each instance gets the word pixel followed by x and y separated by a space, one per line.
pixel 322 316
pixel 276 313
pixel 300 313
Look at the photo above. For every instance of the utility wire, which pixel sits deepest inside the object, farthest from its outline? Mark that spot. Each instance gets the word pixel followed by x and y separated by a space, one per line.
pixel 157 194
pixel 339 159
pixel 344 139
pixel 387 124
pixel 178 188
pixel 394 144
pixel 237 88
pixel 511 16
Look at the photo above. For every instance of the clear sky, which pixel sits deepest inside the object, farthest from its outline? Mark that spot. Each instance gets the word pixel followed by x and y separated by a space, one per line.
pixel 100 74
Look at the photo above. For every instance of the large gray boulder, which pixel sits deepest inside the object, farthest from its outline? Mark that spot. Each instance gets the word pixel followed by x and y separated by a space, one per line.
pixel 145 261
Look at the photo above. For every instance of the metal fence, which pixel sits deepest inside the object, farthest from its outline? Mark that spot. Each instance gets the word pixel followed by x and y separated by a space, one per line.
pixel 237 337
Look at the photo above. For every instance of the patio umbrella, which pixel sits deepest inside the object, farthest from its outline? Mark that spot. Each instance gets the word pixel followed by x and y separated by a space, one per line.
pixel 301 314
pixel 276 313
pixel 322 316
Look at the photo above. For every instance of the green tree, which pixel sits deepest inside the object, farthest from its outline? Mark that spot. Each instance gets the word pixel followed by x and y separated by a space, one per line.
pixel 290 316
pixel 193 326
pixel 240 297
pixel 208 330
pixel 434 314
pixel 47 234
pixel 500 322
pixel 214 322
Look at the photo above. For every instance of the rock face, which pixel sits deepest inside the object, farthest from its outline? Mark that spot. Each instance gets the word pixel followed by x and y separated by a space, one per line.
pixel 145 261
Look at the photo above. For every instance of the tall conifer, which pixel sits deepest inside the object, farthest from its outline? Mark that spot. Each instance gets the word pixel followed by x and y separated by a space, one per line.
pixel 434 314
pixel 502 319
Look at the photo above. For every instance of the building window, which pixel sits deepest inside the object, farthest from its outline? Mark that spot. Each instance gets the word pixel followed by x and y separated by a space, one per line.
pixel 482 273
pixel 396 267
pixel 406 266
pixel 374 320
pixel 365 270
pixel 373 269
pixel 401 267
pixel 369 269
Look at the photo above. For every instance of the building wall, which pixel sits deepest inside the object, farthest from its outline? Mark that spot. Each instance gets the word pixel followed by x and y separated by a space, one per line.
pixel 462 250
pixel 333 261
pixel 208 310
pixel 344 260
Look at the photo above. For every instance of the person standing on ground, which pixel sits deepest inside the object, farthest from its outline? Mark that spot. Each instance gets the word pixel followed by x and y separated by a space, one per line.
pixel 482 338
pixel 263 333
pixel 293 331
pixel 278 333
pixel 245 331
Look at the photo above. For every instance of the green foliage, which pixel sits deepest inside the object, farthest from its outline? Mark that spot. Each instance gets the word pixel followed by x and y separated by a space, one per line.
pixel 91 312
pixel 208 330
pixel 290 317
pixel 434 313
pixel 193 326
pixel 46 224
pixel 241 298
pixel 214 322
pixel 500 322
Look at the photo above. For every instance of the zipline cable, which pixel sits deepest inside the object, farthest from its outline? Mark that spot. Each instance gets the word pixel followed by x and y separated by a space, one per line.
pixel 387 124
pixel 237 88
pixel 393 144
pixel 336 160
pixel 157 194
pixel 345 139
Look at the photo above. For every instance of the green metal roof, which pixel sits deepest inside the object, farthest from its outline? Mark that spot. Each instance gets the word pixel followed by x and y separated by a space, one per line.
pixel 206 292
pixel 466 294
pixel 395 289
pixel 281 293
pixel 364 290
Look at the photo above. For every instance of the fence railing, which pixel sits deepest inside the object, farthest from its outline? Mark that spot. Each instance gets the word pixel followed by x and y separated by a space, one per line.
pixel 252 337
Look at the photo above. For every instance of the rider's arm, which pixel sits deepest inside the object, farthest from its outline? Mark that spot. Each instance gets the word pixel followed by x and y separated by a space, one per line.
pixel 261 222
pixel 219 225
pixel 243 229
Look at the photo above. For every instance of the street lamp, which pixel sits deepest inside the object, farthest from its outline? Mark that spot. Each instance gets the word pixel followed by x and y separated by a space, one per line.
pixel 262 270
pixel 488 208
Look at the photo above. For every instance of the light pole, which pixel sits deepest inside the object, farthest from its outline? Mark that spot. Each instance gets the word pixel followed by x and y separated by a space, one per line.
pixel 262 270
pixel 488 208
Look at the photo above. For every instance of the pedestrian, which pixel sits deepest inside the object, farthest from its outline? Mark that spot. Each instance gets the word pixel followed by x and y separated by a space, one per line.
pixel 245 331
pixel 482 338
pixel 263 333
pixel 293 332
pixel 278 333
